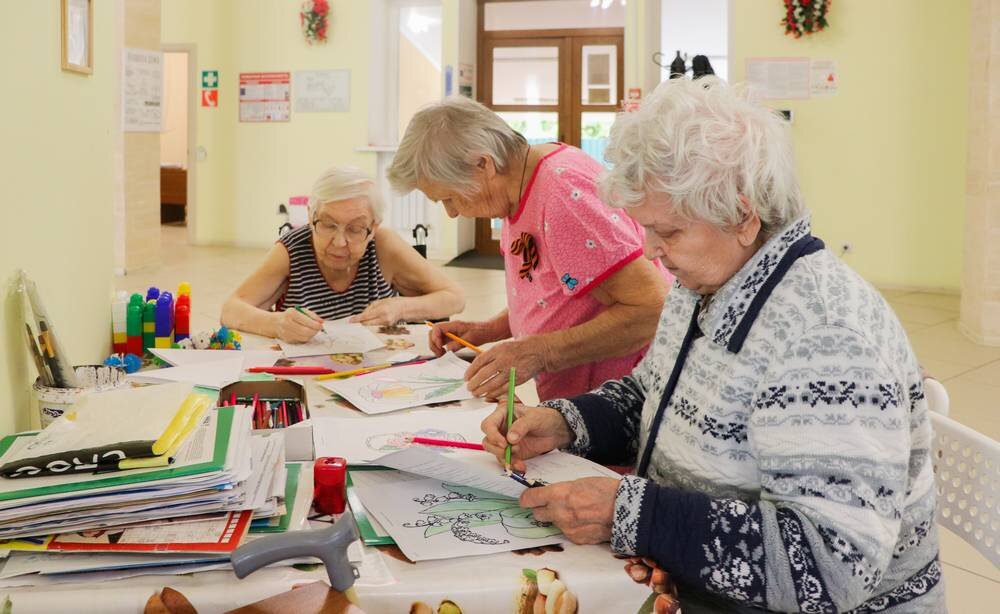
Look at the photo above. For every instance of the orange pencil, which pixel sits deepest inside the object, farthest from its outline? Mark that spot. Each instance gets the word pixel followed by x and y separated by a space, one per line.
pixel 460 340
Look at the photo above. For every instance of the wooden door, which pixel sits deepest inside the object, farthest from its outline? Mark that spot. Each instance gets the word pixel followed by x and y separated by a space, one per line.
pixel 551 85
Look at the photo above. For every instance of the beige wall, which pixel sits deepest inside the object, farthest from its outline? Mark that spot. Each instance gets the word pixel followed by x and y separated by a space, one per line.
pixel 55 197
pixel 250 167
pixel 882 163
pixel 981 273
pixel 141 153
pixel 173 139
pixel 419 82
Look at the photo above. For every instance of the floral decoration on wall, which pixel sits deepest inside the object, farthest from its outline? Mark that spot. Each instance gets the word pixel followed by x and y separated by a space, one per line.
pixel 313 19
pixel 805 16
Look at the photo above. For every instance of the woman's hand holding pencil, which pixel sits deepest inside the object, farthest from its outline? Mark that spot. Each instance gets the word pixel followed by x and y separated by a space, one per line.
pixel 296 325
pixel 535 431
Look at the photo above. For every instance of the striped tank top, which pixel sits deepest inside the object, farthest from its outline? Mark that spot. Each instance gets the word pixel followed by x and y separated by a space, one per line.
pixel 307 287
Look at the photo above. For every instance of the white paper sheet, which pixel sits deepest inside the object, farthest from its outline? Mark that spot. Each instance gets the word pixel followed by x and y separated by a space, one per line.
pixel 251 358
pixel 435 381
pixel 429 519
pixel 362 441
pixel 214 374
pixel 337 337
pixel 481 469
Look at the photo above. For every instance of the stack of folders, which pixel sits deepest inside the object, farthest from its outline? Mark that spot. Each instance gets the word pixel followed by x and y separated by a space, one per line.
pixel 155 471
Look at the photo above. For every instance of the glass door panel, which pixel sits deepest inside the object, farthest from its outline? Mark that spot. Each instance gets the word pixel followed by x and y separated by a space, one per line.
pixel 525 76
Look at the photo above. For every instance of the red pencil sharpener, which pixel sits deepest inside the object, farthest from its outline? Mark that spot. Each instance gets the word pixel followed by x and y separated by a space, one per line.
pixel 330 484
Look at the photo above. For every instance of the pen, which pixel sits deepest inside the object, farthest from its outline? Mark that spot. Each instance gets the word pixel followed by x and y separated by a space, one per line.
pixel 522 480
pixel 460 340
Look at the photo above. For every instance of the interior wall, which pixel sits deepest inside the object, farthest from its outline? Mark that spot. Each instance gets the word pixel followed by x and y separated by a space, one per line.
pixel 142 153
pixel 56 192
pixel 251 167
pixel 419 81
pixel 173 139
pixel 882 162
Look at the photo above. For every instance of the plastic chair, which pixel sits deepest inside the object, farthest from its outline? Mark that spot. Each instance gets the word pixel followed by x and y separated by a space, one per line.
pixel 967 478
pixel 937 396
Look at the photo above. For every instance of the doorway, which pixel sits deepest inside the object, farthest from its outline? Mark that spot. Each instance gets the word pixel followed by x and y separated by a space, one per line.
pixel 556 84
pixel 177 140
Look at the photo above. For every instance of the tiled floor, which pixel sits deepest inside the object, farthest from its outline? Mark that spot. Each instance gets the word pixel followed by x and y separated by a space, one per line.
pixel 970 372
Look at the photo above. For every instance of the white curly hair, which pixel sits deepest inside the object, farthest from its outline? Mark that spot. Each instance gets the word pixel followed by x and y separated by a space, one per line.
pixel 708 146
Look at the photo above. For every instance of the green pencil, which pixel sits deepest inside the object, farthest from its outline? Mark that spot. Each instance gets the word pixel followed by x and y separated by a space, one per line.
pixel 303 312
pixel 510 414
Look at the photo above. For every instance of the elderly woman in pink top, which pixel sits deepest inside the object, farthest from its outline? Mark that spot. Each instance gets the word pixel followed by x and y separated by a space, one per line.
pixel 582 302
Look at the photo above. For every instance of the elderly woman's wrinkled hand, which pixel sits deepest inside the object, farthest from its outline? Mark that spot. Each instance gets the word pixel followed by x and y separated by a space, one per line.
pixel 474 333
pixel 583 509
pixel 293 326
pixel 487 376
pixel 382 311
pixel 536 430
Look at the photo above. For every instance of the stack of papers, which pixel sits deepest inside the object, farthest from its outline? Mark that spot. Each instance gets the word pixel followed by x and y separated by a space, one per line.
pixel 121 429
pixel 161 547
pixel 218 468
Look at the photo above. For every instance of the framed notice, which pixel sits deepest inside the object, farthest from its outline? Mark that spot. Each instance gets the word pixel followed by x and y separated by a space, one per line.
pixel 265 96
pixel 142 90
pixel 779 78
pixel 322 91
pixel 77 40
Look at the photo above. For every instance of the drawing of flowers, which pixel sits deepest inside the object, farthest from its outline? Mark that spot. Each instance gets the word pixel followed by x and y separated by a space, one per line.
pixel 429 386
pixel 463 509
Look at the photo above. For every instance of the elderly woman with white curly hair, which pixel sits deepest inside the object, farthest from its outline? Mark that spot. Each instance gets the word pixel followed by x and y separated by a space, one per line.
pixel 582 303
pixel 343 263
pixel 777 425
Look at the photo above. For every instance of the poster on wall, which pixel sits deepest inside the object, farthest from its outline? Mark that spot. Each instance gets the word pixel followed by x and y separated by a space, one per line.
pixel 322 91
pixel 823 78
pixel 779 78
pixel 265 96
pixel 466 77
pixel 142 90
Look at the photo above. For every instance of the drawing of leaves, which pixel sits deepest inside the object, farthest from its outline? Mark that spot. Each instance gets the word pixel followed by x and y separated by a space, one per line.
pixel 520 523
pixel 432 531
pixel 469 491
pixel 456 509
pixel 446 389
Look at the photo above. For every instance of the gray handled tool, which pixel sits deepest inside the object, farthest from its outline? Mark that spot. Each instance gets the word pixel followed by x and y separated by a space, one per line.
pixel 330 545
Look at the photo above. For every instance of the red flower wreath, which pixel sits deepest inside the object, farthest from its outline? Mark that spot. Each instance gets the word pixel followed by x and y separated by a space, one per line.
pixel 313 20
pixel 805 16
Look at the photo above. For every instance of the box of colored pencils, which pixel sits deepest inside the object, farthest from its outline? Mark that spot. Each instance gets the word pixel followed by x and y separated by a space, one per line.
pixel 278 406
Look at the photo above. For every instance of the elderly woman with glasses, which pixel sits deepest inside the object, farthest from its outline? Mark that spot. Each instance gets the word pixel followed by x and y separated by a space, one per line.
pixel 343 263
pixel 777 425
pixel 582 302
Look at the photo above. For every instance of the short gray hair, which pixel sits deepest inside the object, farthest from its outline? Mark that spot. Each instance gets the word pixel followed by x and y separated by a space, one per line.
pixel 344 182
pixel 705 144
pixel 445 141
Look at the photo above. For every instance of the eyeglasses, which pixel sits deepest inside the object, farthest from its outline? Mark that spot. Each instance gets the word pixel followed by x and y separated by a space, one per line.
pixel 353 233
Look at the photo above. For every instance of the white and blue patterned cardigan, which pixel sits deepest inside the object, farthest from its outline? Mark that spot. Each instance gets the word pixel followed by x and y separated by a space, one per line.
pixel 791 471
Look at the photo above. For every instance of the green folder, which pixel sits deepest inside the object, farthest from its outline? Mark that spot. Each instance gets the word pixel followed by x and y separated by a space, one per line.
pixel 369 536
pixel 223 432
pixel 264 525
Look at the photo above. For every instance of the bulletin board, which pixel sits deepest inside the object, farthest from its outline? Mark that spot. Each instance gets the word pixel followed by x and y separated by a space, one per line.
pixel 265 96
